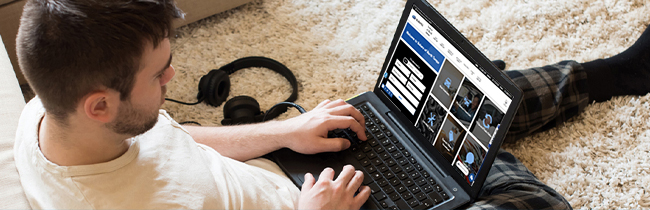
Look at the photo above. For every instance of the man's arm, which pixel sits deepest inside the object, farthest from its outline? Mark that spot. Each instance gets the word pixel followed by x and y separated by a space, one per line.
pixel 306 133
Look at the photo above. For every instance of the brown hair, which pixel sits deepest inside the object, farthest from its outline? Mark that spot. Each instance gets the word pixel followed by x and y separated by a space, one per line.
pixel 69 48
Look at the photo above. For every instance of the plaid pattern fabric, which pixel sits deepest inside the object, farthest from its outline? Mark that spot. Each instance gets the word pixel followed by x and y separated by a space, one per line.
pixel 552 95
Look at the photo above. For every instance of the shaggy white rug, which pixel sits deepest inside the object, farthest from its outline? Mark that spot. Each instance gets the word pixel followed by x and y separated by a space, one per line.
pixel 336 48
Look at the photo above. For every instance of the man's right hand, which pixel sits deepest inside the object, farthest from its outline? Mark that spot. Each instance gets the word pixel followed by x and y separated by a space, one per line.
pixel 328 193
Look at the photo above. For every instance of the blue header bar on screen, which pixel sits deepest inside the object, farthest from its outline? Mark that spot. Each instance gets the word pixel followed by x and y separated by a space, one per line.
pixel 414 39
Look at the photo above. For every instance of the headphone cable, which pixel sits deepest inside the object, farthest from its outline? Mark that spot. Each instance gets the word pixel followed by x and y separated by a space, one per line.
pixel 185 103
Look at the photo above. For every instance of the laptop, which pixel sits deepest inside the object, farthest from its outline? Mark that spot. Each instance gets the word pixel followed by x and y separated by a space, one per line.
pixel 434 121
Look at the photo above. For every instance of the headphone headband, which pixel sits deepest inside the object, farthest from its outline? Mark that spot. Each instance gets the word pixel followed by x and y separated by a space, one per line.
pixel 258 61
pixel 215 87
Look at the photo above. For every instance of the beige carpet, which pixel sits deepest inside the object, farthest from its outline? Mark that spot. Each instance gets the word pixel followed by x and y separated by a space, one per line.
pixel 336 48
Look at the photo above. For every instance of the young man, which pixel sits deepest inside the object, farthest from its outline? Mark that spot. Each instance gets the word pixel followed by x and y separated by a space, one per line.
pixel 94 137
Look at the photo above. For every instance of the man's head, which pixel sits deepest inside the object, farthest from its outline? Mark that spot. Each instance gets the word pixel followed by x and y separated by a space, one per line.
pixel 72 50
pixel 475 102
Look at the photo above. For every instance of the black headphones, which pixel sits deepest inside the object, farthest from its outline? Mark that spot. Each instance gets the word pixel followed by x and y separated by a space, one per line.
pixel 215 87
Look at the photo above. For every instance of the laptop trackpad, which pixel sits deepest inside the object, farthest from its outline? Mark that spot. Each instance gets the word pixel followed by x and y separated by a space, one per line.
pixel 296 165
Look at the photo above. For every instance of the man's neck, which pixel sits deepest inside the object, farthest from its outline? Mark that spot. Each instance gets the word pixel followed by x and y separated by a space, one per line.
pixel 79 143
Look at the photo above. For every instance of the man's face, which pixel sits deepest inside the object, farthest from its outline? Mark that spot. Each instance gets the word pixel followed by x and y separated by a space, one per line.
pixel 139 113
pixel 475 102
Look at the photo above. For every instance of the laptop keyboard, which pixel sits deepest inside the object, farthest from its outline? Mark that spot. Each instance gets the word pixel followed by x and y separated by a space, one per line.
pixel 396 179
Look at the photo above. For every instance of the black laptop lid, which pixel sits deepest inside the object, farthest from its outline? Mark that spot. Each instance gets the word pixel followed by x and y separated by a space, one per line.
pixel 459 103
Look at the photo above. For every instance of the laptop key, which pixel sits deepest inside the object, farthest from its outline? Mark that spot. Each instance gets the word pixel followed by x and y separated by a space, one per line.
pixel 385 156
pixel 396 169
pixel 444 195
pixel 427 188
pixel 371 169
pixel 409 168
pixel 391 148
pixel 379 149
pixel 377 162
pixel 421 196
pixel 407 195
pixel 379 196
pixel 389 175
pixel 383 204
pixel 438 188
pixel 375 176
pixel 395 196
pixel 374 188
pixel 401 204
pixel 401 188
pixel 386 142
pixel 389 134
pixel 400 146
pixel 414 189
pixel 374 129
pixel 388 189
pixel 431 180
pixel 395 182
pixel 391 162
pixel 413 203
pixel 365 162
pixel 414 174
pixel 366 178
pixel 428 203
pixel 394 140
pixel 420 168
pixel 382 126
pixel 402 175
pixel 435 197
pixel 373 142
pixel 359 155
pixel 382 182
pixel 402 161
pixel 372 155
pixel 409 182
pixel 421 181
pixel 366 148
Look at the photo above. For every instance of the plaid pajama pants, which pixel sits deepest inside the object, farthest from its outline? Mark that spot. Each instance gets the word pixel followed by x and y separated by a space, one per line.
pixel 552 95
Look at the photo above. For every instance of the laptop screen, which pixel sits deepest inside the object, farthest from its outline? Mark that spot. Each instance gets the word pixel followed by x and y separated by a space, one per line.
pixel 453 102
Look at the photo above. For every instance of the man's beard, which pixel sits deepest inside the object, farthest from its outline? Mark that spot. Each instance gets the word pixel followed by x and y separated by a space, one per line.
pixel 133 121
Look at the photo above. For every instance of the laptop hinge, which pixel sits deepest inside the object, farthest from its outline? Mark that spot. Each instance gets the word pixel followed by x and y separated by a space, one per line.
pixel 407 134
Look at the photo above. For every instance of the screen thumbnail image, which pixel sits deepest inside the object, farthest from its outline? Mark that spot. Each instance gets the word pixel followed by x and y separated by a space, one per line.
pixel 447 83
pixel 487 122
pixel 431 119
pixel 466 103
pixel 449 138
pixel 469 159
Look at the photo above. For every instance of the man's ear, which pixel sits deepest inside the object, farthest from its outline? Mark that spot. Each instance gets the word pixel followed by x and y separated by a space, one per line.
pixel 101 106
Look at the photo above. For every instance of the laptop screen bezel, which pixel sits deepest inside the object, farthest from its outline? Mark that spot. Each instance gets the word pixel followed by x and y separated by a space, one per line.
pixel 475 56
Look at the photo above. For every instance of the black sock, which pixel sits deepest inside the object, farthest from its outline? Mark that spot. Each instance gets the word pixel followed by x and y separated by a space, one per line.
pixel 627 73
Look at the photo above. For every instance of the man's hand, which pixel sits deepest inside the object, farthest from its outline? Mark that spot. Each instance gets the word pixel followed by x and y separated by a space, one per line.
pixel 334 194
pixel 308 132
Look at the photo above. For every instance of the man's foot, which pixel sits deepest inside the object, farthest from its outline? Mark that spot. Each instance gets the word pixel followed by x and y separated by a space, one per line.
pixel 627 73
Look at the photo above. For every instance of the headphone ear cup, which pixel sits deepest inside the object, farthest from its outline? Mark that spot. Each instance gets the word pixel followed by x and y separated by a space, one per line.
pixel 214 87
pixel 241 110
